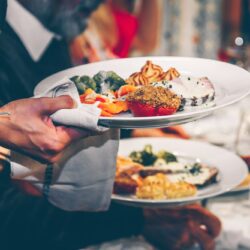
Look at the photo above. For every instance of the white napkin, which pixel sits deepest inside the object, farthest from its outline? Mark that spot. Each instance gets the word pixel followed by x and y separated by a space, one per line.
pixel 87 166
pixel 84 115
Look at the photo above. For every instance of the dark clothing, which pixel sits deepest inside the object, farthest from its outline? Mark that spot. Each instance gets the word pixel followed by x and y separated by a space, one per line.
pixel 3 8
pixel 19 74
pixel 32 223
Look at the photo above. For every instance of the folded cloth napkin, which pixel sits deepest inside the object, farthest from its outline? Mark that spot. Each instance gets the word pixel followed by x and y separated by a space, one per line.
pixel 83 179
pixel 84 115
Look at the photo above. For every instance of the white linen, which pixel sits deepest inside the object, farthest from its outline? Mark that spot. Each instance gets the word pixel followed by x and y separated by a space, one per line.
pixel 234 213
pixel 84 115
pixel 26 27
pixel 88 165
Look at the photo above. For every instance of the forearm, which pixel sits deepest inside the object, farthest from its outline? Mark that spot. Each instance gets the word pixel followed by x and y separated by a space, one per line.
pixel 149 17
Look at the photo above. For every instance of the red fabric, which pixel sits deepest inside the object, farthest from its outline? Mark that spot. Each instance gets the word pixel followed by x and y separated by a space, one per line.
pixel 127 26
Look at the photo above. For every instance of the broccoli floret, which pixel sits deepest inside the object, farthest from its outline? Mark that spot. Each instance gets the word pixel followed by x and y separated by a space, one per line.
pixel 108 80
pixel 84 82
pixel 136 156
pixel 168 157
pixel 114 80
pixel 89 82
pixel 145 157
pixel 75 79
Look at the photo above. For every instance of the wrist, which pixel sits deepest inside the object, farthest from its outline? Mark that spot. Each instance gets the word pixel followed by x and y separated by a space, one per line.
pixel 4 125
pixel 4 110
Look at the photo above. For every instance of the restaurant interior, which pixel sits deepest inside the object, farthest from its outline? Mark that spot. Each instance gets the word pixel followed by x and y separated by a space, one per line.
pixel 37 208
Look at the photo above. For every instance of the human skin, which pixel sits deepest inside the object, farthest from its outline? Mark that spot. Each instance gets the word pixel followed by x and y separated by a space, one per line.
pixel 29 129
pixel 181 227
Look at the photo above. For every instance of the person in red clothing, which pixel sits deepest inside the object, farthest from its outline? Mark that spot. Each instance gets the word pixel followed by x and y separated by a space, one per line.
pixel 117 29
pixel 138 27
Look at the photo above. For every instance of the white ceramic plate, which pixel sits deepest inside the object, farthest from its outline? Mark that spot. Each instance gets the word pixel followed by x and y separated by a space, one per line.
pixel 231 83
pixel 232 169
pixel 240 189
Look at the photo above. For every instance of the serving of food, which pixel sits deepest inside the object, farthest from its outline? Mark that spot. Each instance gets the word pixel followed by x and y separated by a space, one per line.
pixel 162 172
pixel 161 175
pixel 146 92
pixel 150 92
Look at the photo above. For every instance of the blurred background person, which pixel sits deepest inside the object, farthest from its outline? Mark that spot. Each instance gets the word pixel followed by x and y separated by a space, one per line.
pixel 119 29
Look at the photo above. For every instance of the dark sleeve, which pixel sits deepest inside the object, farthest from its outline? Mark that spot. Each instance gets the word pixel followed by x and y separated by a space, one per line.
pixel 19 74
pixel 3 8
pixel 17 78
pixel 12 87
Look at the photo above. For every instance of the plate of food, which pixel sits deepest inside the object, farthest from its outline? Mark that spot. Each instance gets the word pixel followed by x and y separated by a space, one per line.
pixel 155 91
pixel 163 172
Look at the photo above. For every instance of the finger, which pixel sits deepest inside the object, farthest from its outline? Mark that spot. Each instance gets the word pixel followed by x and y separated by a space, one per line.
pixel 205 241
pixel 71 134
pixel 49 105
pixel 204 217
pixel 169 236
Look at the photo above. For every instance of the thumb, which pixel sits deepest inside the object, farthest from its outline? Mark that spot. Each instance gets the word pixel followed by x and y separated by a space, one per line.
pixel 50 105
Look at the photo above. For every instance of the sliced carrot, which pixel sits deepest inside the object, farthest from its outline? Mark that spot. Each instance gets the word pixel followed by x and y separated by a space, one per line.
pixel 84 96
pixel 101 98
pixel 105 113
pixel 89 91
pixel 88 101
pixel 123 105
pixel 124 90
pixel 114 107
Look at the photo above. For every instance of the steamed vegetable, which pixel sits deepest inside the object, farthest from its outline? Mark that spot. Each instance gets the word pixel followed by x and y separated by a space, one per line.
pixel 83 83
pixel 100 83
pixel 147 157
pixel 108 80
pixel 168 157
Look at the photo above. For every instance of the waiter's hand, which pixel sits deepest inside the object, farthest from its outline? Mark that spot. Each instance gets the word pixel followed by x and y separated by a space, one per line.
pixel 30 130
pixel 180 228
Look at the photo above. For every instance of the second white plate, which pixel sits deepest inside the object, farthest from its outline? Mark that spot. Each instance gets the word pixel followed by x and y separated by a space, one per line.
pixel 232 169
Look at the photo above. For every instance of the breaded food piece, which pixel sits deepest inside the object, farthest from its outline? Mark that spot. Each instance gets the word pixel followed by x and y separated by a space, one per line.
pixel 125 184
pixel 124 165
pixel 155 96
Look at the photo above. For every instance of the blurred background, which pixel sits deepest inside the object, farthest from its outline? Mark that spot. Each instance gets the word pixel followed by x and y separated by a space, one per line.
pixel 215 29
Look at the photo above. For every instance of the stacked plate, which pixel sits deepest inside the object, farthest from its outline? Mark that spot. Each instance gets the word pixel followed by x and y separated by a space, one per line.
pixel 231 84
